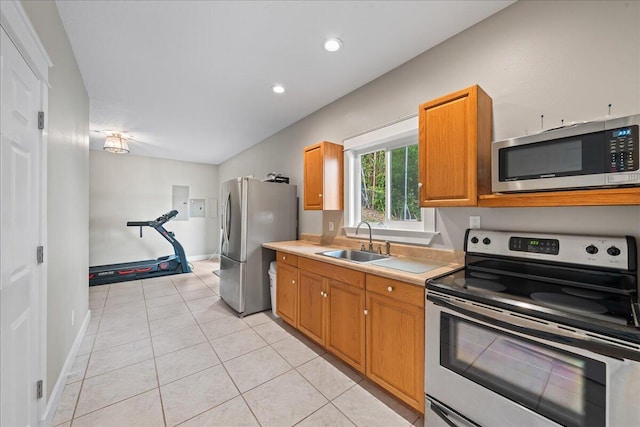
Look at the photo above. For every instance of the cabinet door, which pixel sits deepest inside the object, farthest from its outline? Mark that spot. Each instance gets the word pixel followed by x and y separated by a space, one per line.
pixel 454 146
pixel 313 177
pixel 395 348
pixel 312 302
pixel 346 323
pixel 287 293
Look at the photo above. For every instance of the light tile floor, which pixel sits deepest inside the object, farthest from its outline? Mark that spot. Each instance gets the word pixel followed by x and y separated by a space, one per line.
pixel 168 351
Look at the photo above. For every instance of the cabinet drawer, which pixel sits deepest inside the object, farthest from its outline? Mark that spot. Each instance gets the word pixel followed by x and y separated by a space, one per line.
pixel 401 291
pixel 342 274
pixel 287 258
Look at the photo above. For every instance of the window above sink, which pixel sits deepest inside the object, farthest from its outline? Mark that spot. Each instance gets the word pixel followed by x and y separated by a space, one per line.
pixel 381 185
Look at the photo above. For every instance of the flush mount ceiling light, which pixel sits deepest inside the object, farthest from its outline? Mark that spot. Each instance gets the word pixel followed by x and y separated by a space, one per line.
pixel 332 44
pixel 116 144
pixel 278 89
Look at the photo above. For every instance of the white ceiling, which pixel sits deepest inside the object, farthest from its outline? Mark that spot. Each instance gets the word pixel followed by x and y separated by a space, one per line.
pixel 191 80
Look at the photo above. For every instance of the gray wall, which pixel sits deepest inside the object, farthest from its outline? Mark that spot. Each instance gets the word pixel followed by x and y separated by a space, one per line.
pixel 564 59
pixel 136 188
pixel 68 189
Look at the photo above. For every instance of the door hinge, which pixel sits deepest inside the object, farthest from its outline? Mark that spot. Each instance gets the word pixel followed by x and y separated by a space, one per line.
pixel 40 119
pixel 39 391
pixel 40 254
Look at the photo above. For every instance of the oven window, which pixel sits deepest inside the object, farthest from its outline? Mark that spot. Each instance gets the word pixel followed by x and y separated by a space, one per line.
pixel 567 388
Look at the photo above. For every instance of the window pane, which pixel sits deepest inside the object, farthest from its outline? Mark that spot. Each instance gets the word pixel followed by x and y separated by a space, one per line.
pixel 373 187
pixel 404 184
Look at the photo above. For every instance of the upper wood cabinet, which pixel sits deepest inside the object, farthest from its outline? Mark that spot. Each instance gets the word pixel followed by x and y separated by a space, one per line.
pixel 455 148
pixel 323 176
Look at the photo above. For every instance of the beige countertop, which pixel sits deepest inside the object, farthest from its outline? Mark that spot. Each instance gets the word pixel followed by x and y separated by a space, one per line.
pixel 308 249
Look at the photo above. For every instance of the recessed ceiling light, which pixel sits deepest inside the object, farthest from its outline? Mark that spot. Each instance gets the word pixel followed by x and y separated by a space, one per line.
pixel 332 44
pixel 278 89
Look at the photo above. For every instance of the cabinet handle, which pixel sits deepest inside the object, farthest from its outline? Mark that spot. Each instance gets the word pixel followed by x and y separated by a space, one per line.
pixel 389 289
pixel 320 195
pixel 366 312
pixel 321 293
pixel 284 257
pixel 419 185
pixel 293 282
pixel 326 294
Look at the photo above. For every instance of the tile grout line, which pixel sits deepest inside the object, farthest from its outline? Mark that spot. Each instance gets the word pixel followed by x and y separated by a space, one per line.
pixel 127 398
pixel 223 367
pixel 289 334
pixel 113 403
pixel 75 407
pixel 155 363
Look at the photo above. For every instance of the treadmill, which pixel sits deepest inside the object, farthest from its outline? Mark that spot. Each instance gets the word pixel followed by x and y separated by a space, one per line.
pixel 163 266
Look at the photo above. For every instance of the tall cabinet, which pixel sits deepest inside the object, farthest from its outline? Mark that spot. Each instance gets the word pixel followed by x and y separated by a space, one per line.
pixel 455 148
pixel 323 176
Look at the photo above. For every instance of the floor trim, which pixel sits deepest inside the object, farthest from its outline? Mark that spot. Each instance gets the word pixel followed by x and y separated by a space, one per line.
pixel 56 393
pixel 204 257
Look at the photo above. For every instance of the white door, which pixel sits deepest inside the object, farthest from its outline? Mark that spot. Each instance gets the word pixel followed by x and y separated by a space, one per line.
pixel 20 165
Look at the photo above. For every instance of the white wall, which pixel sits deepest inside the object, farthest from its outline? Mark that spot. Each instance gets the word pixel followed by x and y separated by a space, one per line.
pixel 564 59
pixel 68 189
pixel 133 188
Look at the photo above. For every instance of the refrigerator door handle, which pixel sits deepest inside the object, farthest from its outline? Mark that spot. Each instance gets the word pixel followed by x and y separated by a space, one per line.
pixel 228 214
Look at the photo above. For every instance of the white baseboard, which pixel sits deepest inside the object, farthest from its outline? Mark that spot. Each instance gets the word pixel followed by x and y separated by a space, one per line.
pixel 56 393
pixel 203 257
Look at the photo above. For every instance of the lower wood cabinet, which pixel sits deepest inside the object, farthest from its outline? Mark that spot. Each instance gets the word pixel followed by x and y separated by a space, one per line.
pixel 374 324
pixel 395 339
pixel 312 305
pixel 287 291
pixel 346 323
pixel 331 309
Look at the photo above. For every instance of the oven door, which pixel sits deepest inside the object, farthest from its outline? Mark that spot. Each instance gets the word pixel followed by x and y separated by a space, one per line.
pixel 480 365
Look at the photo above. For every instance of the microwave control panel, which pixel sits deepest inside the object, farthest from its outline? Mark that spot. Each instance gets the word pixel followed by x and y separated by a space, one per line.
pixel 623 149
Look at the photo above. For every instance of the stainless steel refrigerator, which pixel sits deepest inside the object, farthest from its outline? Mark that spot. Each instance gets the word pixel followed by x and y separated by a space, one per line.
pixel 253 212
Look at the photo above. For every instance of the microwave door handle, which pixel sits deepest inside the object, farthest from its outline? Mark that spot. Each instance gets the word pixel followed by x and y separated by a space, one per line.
pixel 539 331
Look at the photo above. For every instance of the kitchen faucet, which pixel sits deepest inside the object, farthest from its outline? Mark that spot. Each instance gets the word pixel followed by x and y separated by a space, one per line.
pixel 370 241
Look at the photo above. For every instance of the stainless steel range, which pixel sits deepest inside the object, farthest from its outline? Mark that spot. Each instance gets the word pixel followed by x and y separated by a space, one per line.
pixel 536 330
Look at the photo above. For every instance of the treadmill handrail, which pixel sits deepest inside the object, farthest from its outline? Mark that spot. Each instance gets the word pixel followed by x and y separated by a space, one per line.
pixel 139 223
pixel 156 222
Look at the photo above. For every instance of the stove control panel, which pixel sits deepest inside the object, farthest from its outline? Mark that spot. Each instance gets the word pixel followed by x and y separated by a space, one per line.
pixel 595 251
pixel 538 246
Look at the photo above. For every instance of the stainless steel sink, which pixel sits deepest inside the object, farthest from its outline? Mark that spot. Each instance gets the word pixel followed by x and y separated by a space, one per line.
pixel 353 255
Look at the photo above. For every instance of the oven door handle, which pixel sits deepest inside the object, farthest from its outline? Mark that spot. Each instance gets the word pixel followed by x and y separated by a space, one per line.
pixel 440 413
pixel 557 336
pixel 444 414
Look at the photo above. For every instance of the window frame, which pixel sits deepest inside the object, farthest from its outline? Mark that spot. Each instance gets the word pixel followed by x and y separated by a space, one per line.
pixel 398 134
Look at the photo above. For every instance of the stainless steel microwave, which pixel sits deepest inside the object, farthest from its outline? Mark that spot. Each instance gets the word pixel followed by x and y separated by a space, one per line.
pixel 585 155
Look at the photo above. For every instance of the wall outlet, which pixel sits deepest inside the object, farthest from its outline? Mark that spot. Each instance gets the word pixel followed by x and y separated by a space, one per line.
pixel 73 317
pixel 474 221
pixel 331 226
